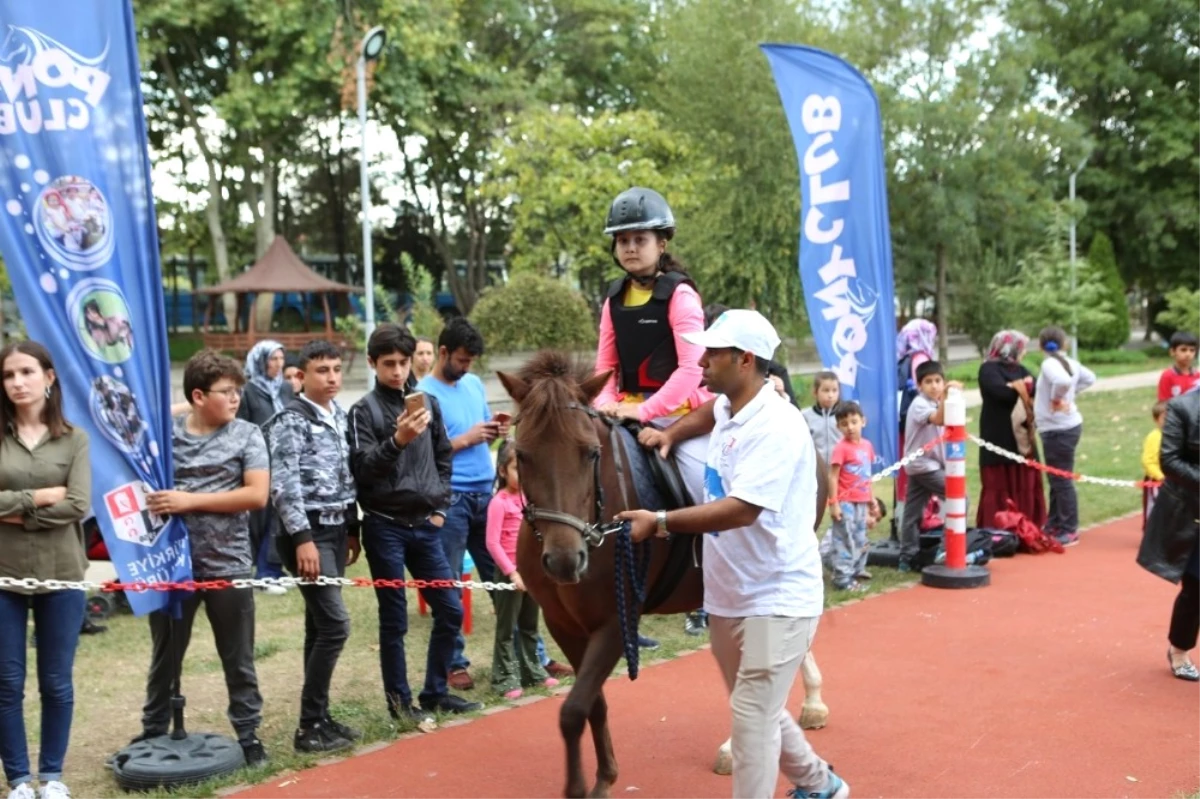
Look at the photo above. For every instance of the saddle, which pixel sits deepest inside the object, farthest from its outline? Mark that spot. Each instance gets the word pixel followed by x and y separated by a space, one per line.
pixel 658 485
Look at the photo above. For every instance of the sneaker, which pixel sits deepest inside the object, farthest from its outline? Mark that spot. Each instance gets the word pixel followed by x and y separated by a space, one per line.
pixel 274 590
pixel 559 670
pixel 460 680
pixel 647 643
pixel 52 790
pixel 23 791
pixel 422 718
pixel 550 682
pixel 515 693
pixel 349 733
pixel 1068 539
pixel 835 788
pixel 254 751
pixel 863 575
pixel 319 738
pixel 451 704
pixel 695 624
pixel 904 567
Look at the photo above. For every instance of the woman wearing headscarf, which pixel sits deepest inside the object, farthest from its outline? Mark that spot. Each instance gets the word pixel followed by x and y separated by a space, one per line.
pixel 1006 420
pixel 916 343
pixel 266 391
pixel 264 395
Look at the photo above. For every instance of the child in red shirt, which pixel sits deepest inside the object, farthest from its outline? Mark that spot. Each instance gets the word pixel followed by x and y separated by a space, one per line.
pixel 851 503
pixel 1182 376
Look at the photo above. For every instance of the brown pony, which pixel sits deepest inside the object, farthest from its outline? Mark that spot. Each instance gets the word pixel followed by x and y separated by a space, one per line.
pixel 565 458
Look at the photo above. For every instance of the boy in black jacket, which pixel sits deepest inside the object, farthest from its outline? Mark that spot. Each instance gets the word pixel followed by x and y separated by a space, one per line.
pixel 401 463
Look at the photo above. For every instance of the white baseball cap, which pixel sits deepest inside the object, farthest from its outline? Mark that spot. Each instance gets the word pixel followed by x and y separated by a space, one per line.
pixel 748 331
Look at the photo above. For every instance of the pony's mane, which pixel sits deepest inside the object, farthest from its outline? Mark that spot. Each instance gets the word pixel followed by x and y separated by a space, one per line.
pixel 554 380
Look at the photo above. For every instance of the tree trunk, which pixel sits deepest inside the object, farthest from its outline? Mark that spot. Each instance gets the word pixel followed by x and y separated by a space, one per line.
pixel 264 230
pixel 943 316
pixel 216 231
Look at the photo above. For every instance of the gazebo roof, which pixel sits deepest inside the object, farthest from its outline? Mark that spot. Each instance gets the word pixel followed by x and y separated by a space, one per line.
pixel 280 270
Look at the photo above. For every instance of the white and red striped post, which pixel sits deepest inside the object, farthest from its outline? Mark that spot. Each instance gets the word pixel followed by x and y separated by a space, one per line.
pixel 955 421
pixel 955 573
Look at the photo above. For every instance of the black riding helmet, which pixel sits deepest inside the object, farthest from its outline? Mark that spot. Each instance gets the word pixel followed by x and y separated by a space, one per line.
pixel 640 209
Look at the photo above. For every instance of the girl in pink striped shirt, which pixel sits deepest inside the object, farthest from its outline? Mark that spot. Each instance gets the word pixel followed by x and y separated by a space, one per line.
pixel 515 664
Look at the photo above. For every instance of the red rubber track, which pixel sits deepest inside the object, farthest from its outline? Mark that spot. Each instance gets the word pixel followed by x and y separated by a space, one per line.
pixel 1053 681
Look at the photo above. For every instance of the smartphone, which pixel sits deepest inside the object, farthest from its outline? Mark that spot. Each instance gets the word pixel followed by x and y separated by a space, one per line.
pixel 502 418
pixel 414 402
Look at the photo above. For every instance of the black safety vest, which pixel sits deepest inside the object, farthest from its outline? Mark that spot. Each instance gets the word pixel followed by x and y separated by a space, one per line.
pixel 646 354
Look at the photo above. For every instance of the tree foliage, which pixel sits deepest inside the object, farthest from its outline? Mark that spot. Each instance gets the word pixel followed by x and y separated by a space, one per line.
pixel 1104 263
pixel 1182 311
pixel 560 171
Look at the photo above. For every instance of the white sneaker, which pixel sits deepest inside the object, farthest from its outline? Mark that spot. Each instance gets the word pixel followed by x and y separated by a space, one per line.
pixel 274 590
pixel 22 791
pixel 53 790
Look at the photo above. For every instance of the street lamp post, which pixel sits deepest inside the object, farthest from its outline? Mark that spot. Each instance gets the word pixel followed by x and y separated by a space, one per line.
pixel 369 50
pixel 1074 303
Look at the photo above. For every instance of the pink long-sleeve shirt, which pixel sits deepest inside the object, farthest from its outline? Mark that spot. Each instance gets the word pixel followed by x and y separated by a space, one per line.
pixel 685 315
pixel 503 524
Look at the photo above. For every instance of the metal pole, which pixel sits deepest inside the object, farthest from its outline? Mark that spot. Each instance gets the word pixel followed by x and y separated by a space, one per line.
pixel 368 266
pixel 1074 304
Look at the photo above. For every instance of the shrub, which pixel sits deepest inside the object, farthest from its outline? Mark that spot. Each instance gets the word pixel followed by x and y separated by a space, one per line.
pixel 1182 311
pixel 534 312
pixel 1102 262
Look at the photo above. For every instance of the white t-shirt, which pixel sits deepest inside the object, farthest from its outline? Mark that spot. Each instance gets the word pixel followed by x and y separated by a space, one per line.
pixel 763 456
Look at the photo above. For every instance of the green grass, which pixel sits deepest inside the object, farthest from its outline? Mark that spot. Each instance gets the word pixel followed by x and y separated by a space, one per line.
pixel 110 668
pixel 1108 363
pixel 182 346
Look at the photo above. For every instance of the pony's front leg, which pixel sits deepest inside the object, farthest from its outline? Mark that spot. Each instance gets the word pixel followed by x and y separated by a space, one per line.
pixel 814 714
pixel 600 654
pixel 606 760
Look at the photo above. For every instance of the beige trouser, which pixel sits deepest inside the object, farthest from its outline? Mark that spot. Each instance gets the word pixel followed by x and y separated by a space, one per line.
pixel 758 657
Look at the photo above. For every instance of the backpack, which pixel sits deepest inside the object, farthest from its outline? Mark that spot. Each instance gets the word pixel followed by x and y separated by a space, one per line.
pixel 933 549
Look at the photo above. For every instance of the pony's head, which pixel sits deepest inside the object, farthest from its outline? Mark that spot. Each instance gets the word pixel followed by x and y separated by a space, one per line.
pixel 558 450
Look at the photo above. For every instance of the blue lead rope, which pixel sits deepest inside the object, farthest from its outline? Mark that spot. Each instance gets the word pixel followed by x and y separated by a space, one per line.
pixel 630 570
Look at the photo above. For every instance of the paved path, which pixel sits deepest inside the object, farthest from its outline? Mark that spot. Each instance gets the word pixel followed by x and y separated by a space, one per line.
pixel 1053 681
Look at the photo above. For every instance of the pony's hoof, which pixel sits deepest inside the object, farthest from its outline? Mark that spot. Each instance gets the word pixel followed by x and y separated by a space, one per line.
pixel 724 762
pixel 813 718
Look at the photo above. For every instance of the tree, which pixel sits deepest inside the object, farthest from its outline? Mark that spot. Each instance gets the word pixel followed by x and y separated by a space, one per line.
pixel 1127 71
pixel 967 141
pixel 533 312
pixel 1104 263
pixel 1041 294
pixel 494 61
pixel 714 86
pixel 560 170
pixel 1182 311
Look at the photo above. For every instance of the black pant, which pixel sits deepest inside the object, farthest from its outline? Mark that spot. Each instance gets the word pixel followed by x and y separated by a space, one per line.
pixel 326 622
pixel 1059 448
pixel 1185 618
pixel 231 615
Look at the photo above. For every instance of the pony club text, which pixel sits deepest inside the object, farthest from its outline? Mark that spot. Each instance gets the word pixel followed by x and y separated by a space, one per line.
pixel 45 86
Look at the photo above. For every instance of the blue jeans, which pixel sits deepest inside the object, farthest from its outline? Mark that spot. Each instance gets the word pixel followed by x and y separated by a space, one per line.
pixel 542 656
pixel 57 617
pixel 466 530
pixel 390 547
pixel 265 568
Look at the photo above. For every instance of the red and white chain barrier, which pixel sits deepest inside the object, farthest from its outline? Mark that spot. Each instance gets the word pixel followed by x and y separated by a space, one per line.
pixel 1081 478
pixel 113 586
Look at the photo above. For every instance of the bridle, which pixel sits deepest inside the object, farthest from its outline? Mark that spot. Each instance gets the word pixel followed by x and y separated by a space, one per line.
pixel 593 532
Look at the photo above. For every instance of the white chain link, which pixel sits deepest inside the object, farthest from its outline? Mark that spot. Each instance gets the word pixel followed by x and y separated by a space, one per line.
pixel 32 584
pixel 907 459
pixel 1083 478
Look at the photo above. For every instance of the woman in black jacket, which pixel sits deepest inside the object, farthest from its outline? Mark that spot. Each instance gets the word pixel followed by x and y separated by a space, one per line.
pixel 1171 546
pixel 265 394
pixel 1006 388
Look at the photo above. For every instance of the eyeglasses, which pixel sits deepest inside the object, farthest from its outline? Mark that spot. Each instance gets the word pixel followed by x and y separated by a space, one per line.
pixel 230 393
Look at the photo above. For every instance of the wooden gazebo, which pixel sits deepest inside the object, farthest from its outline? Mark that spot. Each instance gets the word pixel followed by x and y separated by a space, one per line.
pixel 280 271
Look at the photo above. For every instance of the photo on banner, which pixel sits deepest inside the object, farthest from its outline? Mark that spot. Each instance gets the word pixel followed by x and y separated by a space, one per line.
pixel 845 240
pixel 79 239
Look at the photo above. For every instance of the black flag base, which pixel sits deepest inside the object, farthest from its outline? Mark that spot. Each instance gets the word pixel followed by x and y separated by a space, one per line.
pixel 179 757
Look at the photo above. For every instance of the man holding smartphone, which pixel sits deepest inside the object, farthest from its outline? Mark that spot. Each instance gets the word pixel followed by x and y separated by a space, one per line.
pixel 471 429
pixel 400 458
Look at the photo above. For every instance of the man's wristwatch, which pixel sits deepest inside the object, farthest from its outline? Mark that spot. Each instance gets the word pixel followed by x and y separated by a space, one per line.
pixel 660 518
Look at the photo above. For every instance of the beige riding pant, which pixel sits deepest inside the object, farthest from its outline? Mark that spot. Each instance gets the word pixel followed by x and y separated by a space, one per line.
pixel 758 657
